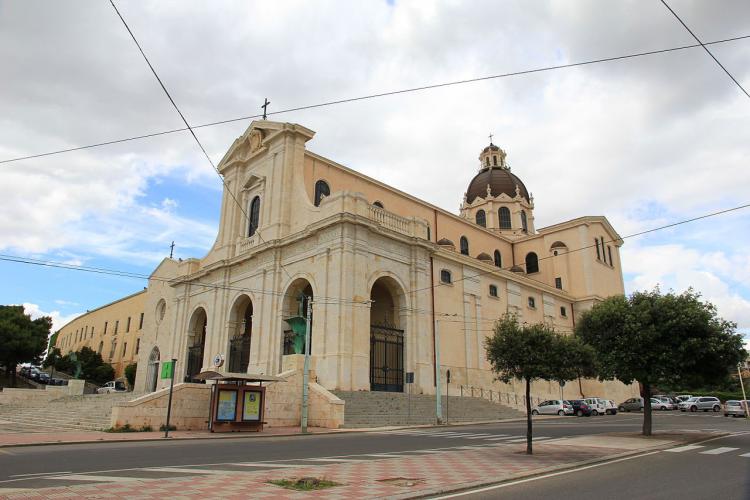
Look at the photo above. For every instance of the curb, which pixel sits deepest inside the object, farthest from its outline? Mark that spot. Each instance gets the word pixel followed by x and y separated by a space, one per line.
pixel 467 487
pixel 252 435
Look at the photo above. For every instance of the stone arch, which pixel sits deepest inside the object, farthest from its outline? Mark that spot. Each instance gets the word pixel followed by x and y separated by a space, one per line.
pixel 240 334
pixel 294 307
pixel 388 323
pixel 152 374
pixel 196 342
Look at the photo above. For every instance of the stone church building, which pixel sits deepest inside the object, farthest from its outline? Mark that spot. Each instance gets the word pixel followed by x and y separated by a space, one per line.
pixel 393 282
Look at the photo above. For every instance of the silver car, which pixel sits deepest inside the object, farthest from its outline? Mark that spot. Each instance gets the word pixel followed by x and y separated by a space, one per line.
pixel 704 403
pixel 736 408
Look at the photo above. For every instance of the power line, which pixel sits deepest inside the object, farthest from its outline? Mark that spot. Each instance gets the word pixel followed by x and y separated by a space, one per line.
pixel 378 95
pixel 705 48
pixel 182 117
pixel 328 300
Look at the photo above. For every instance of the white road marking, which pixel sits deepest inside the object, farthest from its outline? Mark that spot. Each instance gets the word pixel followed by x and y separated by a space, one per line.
pixel 89 477
pixel 746 455
pixel 336 459
pixel 718 451
pixel 185 470
pixel 685 448
pixel 523 439
pixel 545 476
pixel 41 473
pixel 263 464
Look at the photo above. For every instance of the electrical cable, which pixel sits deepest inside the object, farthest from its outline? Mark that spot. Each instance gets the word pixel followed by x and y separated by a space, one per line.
pixel 379 95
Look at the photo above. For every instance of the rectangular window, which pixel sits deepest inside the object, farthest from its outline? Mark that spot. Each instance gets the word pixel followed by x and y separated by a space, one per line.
pixel 117 327
pixel 604 255
pixel 124 349
pixel 140 322
pixel 105 327
pixel 609 251
pixel 137 345
pixel 127 325
pixel 598 253
pixel 532 303
pixel 563 312
pixel 493 291
pixel 445 276
pixel 558 283
pixel 92 332
pixel 112 350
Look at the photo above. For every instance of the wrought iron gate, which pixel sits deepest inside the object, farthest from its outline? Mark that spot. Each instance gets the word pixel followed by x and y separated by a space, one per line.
pixel 239 354
pixel 194 362
pixel 386 358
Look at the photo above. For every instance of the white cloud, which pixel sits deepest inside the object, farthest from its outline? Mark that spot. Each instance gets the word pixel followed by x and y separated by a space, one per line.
pixel 58 320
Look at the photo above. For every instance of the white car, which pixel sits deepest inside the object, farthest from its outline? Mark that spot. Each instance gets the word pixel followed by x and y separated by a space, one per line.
pixel 598 406
pixel 113 386
pixel 611 408
pixel 553 407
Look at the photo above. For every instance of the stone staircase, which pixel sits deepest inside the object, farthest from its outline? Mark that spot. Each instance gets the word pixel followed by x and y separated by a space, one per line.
pixel 67 413
pixel 378 409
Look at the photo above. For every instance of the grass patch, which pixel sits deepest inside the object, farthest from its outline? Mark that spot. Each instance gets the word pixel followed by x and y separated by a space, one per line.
pixel 304 483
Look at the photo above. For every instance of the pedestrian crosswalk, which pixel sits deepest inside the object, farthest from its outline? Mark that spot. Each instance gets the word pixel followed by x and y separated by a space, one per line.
pixel 706 450
pixel 480 436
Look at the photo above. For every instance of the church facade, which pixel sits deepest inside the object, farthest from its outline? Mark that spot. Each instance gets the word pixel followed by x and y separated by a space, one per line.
pixel 392 284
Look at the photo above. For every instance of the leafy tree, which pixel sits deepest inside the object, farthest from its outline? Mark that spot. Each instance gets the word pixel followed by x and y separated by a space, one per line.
pixel 130 372
pixel 534 352
pixel 661 340
pixel 22 339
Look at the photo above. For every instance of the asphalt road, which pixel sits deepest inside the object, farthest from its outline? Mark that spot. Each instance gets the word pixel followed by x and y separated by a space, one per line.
pixel 713 469
pixel 45 466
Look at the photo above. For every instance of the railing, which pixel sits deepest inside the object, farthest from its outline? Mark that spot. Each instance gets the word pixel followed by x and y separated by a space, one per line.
pixel 246 244
pixel 390 220
pixel 507 398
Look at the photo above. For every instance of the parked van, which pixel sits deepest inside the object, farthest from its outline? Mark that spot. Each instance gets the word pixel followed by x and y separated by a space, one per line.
pixel 598 406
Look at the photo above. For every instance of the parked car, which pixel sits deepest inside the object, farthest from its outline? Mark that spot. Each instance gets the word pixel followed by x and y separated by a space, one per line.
pixel 611 407
pixel 43 378
pixel 683 397
pixel 598 405
pixel 552 407
pixel 659 404
pixel 736 408
pixel 632 404
pixel 34 373
pixel 113 386
pixel 580 408
pixel 666 402
pixel 704 403
pixel 670 399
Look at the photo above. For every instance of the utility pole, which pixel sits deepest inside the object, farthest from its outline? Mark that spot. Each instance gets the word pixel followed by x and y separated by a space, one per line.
pixel 438 402
pixel 306 369
pixel 744 396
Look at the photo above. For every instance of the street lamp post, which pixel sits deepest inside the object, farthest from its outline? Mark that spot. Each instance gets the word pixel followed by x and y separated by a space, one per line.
pixel 438 402
pixel 306 369
pixel 744 397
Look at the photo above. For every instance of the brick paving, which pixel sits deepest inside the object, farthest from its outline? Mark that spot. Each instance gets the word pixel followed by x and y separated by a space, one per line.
pixel 359 480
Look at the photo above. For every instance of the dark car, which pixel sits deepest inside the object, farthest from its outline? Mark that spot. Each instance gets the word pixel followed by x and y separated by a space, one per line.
pixel 580 408
pixel 43 378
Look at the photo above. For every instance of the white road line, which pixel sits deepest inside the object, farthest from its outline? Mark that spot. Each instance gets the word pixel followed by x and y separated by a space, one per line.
pixel 545 476
pixel 502 438
pixel 336 459
pixel 746 455
pixel 263 464
pixel 718 451
pixel 89 477
pixel 383 455
pixel 523 439
pixel 685 448
pixel 41 473
pixel 185 470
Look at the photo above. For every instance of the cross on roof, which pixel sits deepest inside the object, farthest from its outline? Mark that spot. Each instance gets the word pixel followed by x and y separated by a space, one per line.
pixel 491 135
pixel 265 107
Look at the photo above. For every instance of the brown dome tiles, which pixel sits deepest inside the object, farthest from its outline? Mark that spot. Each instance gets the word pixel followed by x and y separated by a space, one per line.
pixel 485 257
pixel 500 180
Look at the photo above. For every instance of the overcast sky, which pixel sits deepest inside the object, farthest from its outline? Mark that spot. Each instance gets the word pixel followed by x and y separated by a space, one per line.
pixel 644 141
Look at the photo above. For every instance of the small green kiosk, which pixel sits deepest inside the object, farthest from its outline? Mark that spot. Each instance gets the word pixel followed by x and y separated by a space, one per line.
pixel 237 401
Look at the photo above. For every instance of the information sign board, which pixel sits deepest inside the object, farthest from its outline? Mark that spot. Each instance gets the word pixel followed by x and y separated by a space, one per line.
pixel 227 409
pixel 167 367
pixel 251 406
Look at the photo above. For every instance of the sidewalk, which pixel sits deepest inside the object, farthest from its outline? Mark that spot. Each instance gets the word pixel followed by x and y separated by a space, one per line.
pixel 401 477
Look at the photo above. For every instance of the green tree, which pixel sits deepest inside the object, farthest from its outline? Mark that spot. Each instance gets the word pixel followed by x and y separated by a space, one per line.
pixel 130 372
pixel 22 339
pixel 534 352
pixel 660 340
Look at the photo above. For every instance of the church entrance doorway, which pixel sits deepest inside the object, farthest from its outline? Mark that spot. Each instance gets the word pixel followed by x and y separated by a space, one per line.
pixel 386 337
pixel 296 302
pixel 241 328
pixel 152 375
pixel 196 344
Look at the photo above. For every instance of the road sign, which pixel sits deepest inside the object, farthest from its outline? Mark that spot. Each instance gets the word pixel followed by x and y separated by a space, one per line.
pixel 167 368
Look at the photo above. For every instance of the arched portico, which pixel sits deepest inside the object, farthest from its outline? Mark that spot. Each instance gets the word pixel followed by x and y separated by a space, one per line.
pixel 152 375
pixel 387 335
pixel 196 343
pixel 295 305
pixel 240 334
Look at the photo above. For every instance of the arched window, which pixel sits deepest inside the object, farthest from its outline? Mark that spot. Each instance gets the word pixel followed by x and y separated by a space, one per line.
pixel 378 204
pixel 524 223
pixel 464 245
pixel 498 259
pixel 532 263
pixel 504 216
pixel 321 190
pixel 481 218
pixel 494 160
pixel 445 276
pixel 254 216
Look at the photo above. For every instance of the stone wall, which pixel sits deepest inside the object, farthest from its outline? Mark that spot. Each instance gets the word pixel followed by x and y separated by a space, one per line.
pixel 190 404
